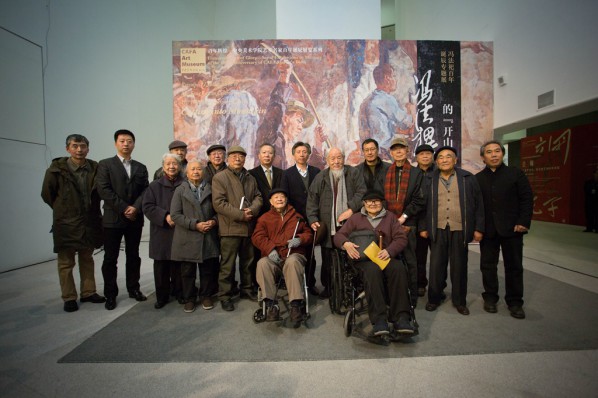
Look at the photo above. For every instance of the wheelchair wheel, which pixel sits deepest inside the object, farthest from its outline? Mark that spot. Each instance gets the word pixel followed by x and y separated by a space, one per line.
pixel 337 292
pixel 348 324
pixel 258 316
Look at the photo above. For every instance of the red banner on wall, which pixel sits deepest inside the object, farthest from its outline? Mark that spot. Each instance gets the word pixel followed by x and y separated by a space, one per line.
pixel 546 160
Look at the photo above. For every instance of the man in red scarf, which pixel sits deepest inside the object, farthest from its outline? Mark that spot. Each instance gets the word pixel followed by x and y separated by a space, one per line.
pixel 404 197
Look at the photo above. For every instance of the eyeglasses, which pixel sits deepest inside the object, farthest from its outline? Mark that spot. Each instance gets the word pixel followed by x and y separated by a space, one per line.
pixel 372 202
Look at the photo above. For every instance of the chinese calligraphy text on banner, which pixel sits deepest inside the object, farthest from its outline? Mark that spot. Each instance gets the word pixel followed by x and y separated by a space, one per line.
pixel 332 93
pixel 546 160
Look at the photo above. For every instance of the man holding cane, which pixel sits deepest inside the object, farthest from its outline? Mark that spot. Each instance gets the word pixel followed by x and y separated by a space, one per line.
pixel 283 239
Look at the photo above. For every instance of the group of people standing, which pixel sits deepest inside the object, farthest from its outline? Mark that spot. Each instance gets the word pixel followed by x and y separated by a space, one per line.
pixel 203 218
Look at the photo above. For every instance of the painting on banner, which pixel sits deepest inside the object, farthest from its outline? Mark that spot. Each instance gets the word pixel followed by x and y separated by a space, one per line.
pixel 332 93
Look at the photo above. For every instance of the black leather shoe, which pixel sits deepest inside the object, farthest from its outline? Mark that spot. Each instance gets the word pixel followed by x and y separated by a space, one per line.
pixel 517 312
pixel 490 307
pixel 463 310
pixel 110 303
pixel 248 294
pixel 71 306
pixel 94 298
pixel 227 305
pixel 324 294
pixel 431 306
pixel 313 290
pixel 160 304
pixel 137 295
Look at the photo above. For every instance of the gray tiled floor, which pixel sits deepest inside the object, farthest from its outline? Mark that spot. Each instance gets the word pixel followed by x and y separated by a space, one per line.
pixel 35 333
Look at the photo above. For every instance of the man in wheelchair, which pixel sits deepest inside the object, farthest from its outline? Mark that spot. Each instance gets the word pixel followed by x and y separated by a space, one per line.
pixel 375 224
pixel 283 238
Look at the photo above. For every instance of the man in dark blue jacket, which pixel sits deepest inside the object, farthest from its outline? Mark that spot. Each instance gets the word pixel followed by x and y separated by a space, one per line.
pixel 508 203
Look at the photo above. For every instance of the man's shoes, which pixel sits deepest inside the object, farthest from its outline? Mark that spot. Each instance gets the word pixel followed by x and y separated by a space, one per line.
pixel 248 294
pixel 189 306
pixel 110 303
pixel 313 290
pixel 421 291
pixel 207 303
pixel 296 316
pixel 463 310
pixel 517 312
pixel 137 295
pixel 272 313
pixel 380 328
pixel 227 305
pixel 431 306
pixel 71 306
pixel 160 304
pixel 490 307
pixel 324 294
pixel 94 298
pixel 404 326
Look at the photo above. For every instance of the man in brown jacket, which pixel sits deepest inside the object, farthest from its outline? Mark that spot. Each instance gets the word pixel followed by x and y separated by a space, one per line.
pixel 237 202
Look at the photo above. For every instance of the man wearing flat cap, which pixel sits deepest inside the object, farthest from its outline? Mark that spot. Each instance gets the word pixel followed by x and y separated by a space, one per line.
pixel 283 237
pixel 454 217
pixel 179 148
pixel 237 202
pixel 424 155
pixel 404 197
pixel 215 163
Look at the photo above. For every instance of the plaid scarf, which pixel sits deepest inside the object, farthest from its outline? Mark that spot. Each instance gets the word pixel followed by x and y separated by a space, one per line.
pixel 395 200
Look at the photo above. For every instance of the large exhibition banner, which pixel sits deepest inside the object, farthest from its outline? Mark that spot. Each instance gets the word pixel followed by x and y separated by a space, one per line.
pixel 332 93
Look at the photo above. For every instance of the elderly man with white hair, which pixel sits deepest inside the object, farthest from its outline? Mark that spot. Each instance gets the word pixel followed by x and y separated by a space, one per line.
pixel 334 195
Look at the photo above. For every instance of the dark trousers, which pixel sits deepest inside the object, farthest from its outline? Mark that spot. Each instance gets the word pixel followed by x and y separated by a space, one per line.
pixel 230 247
pixel 325 269
pixel 375 291
pixel 421 253
pixel 167 279
pixel 448 247
pixel 208 278
pixel 512 253
pixel 112 239
pixel 411 260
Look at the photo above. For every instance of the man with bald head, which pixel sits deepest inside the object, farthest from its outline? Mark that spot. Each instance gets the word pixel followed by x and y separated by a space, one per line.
pixel 334 195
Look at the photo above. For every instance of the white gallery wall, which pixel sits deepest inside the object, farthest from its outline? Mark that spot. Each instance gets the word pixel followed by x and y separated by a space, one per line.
pixel 539 45
pixel 108 66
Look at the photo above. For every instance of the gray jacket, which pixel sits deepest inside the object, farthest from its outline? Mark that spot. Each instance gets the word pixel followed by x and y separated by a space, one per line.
pixel 188 244
pixel 319 201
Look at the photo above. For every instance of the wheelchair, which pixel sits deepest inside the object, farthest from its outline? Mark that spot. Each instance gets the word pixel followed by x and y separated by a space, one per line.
pixel 348 298
pixel 259 315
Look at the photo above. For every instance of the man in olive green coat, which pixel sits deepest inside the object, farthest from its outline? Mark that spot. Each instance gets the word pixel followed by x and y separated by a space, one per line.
pixel 68 188
pixel 237 201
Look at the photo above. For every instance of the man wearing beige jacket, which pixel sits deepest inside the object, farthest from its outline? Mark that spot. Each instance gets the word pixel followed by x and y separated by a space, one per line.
pixel 237 202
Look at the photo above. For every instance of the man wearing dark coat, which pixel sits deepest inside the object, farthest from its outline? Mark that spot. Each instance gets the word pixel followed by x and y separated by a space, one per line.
pixel 267 177
pixel 334 196
pixel 404 197
pixel 454 217
pixel 508 204
pixel 121 183
pixel 68 188
pixel 296 181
